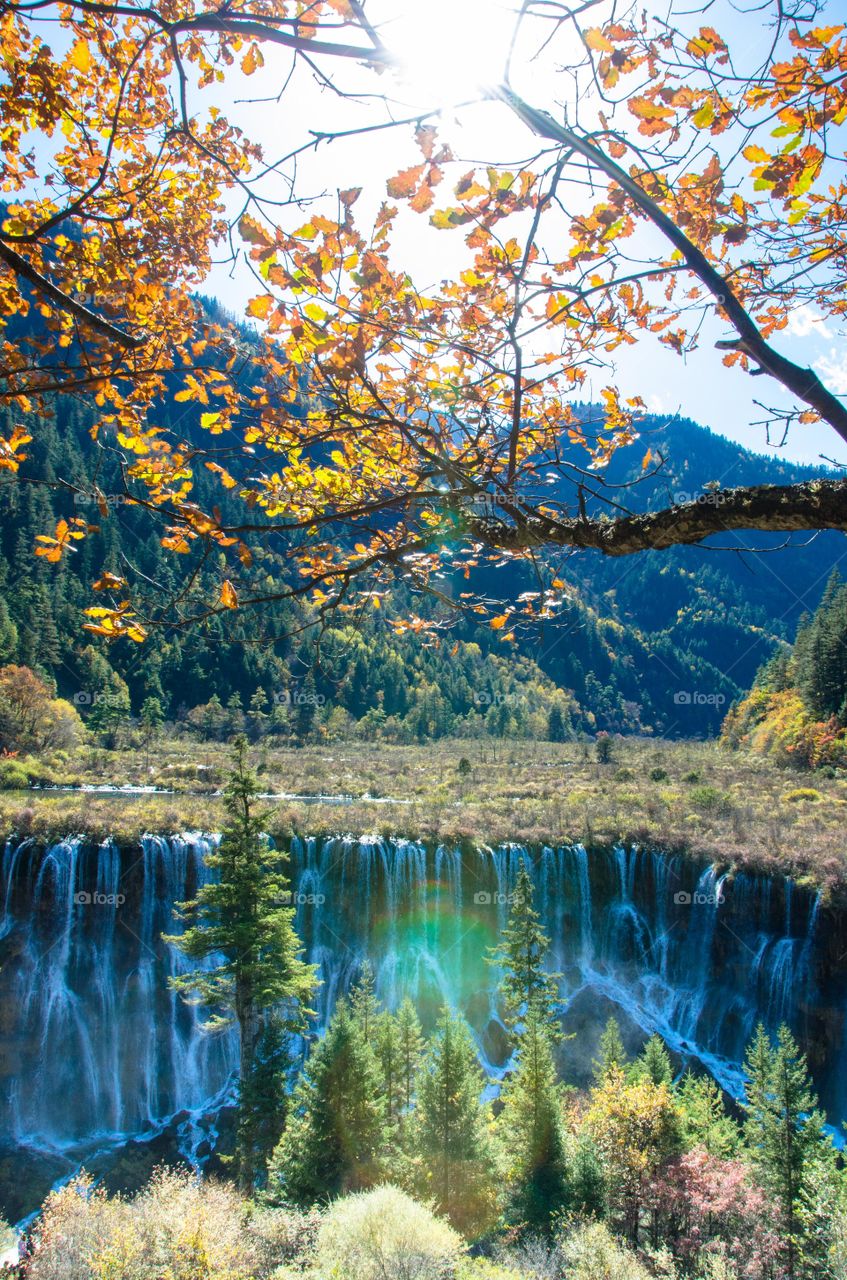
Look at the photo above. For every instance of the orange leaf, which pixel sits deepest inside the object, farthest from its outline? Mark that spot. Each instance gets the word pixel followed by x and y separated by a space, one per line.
pixel 405 183
pixel 498 623
pixel 259 307
pixel 228 597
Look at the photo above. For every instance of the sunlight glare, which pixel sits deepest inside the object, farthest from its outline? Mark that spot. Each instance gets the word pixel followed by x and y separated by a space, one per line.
pixel 449 49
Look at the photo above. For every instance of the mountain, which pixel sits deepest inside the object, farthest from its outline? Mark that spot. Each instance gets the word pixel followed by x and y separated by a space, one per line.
pixel 661 642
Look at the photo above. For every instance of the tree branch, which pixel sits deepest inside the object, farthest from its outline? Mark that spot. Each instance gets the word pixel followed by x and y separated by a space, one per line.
pixel 21 267
pixel 809 506
pixel 801 382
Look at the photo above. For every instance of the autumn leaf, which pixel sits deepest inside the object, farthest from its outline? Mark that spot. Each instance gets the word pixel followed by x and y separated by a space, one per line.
pixel 228 597
pixel 595 40
pixel 253 59
pixel 405 183
pixel 259 307
pixel 498 623
pixel 81 56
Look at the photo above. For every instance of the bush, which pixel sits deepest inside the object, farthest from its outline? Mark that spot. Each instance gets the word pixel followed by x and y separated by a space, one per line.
pixel 711 799
pixel 802 793
pixel 485 1269
pixel 13 777
pixel 624 774
pixel 693 776
pixel 592 1253
pixel 176 1227
pixel 658 774
pixel 384 1235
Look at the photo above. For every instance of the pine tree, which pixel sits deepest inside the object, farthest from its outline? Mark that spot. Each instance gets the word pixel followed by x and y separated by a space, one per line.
pixel 389 1054
pixel 654 1062
pixel 705 1121
pixel 263 1100
pixel 784 1129
pixel 451 1139
pixel 520 954
pixel 531 1131
pixel 610 1051
pixel 587 1179
pixel 411 1044
pixel 238 917
pixel 363 1002
pixel 336 1133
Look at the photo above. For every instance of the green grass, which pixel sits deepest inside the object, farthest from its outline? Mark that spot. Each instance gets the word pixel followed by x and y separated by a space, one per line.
pixel 712 803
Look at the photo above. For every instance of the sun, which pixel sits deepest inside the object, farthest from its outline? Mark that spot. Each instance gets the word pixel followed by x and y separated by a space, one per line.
pixel 447 50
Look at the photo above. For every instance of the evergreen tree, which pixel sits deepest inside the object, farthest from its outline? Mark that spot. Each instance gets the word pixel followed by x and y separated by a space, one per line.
pixel 587 1180
pixel 151 717
pixel 389 1053
pixel 238 917
pixel 521 954
pixel 610 1051
pixel 704 1118
pixel 452 1142
pixel 263 1100
pixel 411 1044
pixel 531 1131
pixel 654 1062
pixel 334 1140
pixel 784 1129
pixel 820 654
pixel 363 1002
pixel 557 726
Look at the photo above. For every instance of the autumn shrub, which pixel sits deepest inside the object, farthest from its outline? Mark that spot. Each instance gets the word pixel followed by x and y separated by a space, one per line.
pixel 713 1217
pixel 802 793
pixel 591 1252
pixel 12 776
pixel 384 1235
pixel 176 1227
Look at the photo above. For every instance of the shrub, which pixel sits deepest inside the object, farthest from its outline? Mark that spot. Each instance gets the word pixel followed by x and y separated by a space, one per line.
pixel 592 1253
pixel 624 774
pixel 802 793
pixel 711 799
pixel 693 776
pixel 13 777
pixel 485 1269
pixel 282 1237
pixel 384 1235
pixel 176 1227
pixel 658 774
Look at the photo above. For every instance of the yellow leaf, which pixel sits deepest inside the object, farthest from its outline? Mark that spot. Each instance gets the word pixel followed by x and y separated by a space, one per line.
pixel 259 307
pixel 595 40
pixel 81 56
pixel 252 60
pixel 498 623
pixel 228 597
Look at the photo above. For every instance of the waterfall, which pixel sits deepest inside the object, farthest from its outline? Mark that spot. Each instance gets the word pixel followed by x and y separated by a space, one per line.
pixel 95 1047
pixel 100 1047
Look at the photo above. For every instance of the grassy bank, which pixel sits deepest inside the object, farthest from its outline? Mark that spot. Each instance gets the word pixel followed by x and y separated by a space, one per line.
pixel 696 797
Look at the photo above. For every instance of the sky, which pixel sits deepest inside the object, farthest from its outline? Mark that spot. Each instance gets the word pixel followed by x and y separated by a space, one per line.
pixel 450 47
